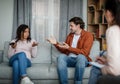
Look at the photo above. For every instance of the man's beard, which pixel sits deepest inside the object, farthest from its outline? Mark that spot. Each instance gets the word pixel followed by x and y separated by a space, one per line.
pixel 72 31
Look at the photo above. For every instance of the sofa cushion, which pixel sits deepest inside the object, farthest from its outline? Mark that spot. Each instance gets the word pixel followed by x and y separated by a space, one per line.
pixel 37 71
pixel 95 50
pixel 43 54
pixel 55 54
pixel 1 56
pixel 5 52
pixel 5 71
pixel 40 71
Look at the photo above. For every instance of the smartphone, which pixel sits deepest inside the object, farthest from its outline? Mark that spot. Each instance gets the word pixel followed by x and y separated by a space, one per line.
pixel 12 43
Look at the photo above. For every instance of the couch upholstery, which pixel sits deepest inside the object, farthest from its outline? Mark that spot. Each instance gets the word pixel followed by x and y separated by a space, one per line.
pixel 43 70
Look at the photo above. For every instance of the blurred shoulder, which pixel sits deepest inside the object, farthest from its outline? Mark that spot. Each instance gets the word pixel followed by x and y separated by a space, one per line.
pixel 113 29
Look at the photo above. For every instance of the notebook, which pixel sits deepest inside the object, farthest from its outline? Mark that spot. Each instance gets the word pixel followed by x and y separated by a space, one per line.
pixel 96 64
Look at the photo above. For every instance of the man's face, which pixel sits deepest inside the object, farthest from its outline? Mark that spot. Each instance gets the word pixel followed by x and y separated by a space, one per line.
pixel 73 27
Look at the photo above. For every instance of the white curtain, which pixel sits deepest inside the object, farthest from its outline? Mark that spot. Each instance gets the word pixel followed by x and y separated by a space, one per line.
pixel 45 19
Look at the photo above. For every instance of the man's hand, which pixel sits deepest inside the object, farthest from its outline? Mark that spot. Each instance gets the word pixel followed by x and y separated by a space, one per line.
pixel 34 44
pixel 52 40
pixel 64 45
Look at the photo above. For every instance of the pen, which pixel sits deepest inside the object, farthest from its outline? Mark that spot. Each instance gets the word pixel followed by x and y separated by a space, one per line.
pixel 101 54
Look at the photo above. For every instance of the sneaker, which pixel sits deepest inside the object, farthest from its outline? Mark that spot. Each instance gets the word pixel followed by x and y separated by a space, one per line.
pixel 26 80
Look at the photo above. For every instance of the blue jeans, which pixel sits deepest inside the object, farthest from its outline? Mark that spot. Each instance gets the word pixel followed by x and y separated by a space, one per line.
pixel 95 74
pixel 64 61
pixel 19 63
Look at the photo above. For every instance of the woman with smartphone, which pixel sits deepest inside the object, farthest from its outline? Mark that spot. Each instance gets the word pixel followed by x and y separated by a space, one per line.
pixel 20 52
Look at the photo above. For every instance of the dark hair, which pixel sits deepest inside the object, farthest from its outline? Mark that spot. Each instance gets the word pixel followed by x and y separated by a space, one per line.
pixel 114 7
pixel 21 29
pixel 78 20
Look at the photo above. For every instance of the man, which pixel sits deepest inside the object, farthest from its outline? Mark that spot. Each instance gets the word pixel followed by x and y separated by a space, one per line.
pixel 75 51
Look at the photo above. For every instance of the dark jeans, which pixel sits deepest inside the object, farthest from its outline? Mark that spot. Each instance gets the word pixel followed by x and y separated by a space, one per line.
pixel 95 74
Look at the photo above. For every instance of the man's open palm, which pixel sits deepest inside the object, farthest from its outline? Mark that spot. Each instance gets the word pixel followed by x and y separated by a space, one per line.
pixel 52 40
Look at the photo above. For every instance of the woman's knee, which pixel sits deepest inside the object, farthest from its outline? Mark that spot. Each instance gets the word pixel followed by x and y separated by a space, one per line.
pixel 15 64
pixel 22 55
pixel 81 61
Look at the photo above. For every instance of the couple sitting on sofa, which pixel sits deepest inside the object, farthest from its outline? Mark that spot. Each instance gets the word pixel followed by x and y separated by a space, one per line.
pixel 75 52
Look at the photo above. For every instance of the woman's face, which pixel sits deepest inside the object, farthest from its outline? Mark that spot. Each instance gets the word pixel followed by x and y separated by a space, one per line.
pixel 109 17
pixel 25 34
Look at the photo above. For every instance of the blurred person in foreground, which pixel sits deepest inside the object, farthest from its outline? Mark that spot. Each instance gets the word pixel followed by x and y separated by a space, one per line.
pixel 112 58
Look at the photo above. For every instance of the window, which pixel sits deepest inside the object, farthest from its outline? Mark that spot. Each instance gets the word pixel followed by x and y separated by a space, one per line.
pixel 45 19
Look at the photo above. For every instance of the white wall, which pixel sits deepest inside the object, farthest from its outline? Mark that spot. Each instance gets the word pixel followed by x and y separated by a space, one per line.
pixel 6 21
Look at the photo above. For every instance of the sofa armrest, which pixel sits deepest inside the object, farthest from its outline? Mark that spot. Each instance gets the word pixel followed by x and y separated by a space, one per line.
pixel 1 56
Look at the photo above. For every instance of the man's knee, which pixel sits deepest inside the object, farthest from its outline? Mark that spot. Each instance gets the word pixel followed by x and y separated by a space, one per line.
pixel 81 60
pixel 81 57
pixel 61 57
pixel 61 61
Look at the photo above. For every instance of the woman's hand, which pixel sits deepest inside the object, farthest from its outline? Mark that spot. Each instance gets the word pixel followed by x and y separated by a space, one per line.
pixel 13 45
pixel 34 44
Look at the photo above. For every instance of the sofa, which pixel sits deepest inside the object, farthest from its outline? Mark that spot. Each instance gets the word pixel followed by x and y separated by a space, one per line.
pixel 43 70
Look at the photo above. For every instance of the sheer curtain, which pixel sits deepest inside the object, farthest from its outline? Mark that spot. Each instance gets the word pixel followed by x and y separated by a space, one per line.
pixel 22 14
pixel 45 19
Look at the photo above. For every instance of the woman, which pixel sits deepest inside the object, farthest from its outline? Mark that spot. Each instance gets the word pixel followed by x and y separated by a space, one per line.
pixel 21 50
pixel 112 64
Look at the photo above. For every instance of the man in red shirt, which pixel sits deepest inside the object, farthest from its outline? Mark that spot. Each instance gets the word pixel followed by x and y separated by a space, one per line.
pixel 74 51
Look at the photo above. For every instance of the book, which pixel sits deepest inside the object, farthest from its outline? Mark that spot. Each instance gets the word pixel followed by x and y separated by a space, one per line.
pixel 96 64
